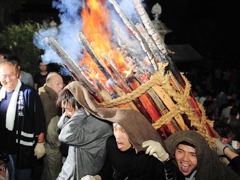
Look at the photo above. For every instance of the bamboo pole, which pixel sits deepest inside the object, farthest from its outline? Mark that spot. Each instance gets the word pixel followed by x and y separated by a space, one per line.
pixel 70 63
pixel 138 103
pixel 90 51
pixel 176 77
pixel 151 43
pixel 132 28
pixel 150 27
pixel 160 43
pixel 149 104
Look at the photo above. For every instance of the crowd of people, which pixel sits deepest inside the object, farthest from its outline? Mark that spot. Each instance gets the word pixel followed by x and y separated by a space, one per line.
pixel 50 129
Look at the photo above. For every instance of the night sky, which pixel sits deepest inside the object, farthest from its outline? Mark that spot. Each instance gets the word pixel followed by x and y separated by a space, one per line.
pixel 211 26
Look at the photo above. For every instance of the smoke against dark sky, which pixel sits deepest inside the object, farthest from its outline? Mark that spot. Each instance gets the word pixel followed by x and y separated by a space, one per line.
pixel 210 26
pixel 70 25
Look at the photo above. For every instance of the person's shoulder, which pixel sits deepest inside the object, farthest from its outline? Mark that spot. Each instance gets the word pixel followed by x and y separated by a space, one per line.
pixel 43 94
pixel 95 122
pixel 42 90
pixel 26 73
pixel 27 88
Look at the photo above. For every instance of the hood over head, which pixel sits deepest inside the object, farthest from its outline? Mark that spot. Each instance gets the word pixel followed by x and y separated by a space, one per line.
pixel 139 129
pixel 209 166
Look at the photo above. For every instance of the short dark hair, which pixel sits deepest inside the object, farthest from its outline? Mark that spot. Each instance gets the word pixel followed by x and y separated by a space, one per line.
pixel 14 59
pixel 65 96
pixel 40 61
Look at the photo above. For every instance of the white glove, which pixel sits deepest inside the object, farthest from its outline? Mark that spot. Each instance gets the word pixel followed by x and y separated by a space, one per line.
pixel 39 150
pixel 155 149
pixel 221 146
pixel 89 177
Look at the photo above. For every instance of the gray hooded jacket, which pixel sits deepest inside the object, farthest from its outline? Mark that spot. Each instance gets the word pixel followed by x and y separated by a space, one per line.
pixel 86 137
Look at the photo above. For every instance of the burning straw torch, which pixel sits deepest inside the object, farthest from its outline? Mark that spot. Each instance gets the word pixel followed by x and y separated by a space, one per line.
pixel 160 92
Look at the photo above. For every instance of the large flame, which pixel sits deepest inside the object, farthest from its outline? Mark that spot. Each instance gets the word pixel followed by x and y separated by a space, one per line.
pixel 96 28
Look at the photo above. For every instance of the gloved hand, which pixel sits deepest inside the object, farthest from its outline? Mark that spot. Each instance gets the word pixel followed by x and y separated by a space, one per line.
pixel 155 148
pixel 89 177
pixel 221 146
pixel 39 150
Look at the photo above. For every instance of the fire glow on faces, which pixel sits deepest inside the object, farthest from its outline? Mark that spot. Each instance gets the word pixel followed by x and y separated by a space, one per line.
pixel 121 136
pixel 186 159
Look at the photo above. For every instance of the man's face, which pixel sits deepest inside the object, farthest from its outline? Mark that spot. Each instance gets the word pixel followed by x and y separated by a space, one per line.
pixel 121 136
pixel 186 159
pixel 56 83
pixel 68 109
pixel 8 76
pixel 42 67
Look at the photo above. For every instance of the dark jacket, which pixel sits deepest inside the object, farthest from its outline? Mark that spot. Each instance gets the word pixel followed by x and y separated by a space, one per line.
pixel 129 165
pixel 235 164
pixel 29 123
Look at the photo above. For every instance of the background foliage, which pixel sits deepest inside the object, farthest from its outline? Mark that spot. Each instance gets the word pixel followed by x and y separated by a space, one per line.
pixel 19 40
